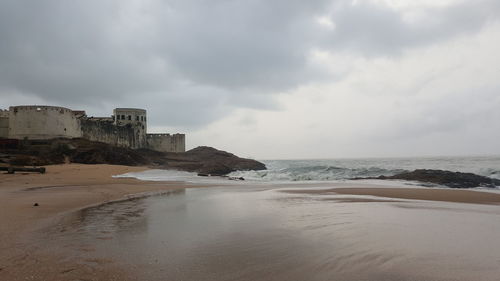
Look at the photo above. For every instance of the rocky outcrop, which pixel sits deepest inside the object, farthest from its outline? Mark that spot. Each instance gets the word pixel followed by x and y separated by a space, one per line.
pixel 221 162
pixel 203 159
pixel 446 178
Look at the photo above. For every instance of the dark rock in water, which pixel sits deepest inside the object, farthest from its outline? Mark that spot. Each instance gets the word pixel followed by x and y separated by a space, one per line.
pixel 210 161
pixel 222 176
pixel 35 205
pixel 203 159
pixel 446 178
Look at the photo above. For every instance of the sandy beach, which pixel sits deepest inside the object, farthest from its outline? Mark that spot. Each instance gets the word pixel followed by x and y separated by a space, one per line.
pixel 61 190
pixel 64 190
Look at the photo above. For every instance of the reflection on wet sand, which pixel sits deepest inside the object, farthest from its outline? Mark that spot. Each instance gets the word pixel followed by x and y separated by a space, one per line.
pixel 242 233
pixel 438 194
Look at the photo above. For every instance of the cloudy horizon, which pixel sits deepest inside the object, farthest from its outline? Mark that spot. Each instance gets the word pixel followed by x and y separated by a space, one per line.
pixel 269 79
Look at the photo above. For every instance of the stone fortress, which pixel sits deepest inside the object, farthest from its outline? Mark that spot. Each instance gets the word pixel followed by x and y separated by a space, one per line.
pixel 127 127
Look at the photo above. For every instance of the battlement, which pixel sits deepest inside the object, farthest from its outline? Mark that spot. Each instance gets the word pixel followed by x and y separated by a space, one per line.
pixel 164 135
pixel 100 119
pixel 39 108
pixel 4 113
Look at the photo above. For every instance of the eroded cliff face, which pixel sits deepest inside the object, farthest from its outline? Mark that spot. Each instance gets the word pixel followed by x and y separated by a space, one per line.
pixel 203 159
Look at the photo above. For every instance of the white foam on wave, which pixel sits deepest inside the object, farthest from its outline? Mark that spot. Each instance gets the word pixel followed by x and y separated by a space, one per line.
pixel 172 175
pixel 160 175
pixel 344 169
pixel 312 173
pixel 333 170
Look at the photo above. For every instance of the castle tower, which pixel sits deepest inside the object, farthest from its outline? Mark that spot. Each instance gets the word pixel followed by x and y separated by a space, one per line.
pixel 134 118
pixel 42 122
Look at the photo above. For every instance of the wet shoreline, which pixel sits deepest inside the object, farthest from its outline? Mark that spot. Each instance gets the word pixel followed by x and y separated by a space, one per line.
pixel 247 233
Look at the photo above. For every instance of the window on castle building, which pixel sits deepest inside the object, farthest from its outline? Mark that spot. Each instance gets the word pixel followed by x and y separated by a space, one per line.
pixel 129 117
pixel 137 118
pixel 123 117
pixel 142 118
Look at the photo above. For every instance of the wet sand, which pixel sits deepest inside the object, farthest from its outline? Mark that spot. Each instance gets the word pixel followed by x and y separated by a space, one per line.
pixel 428 194
pixel 247 233
pixel 238 232
pixel 62 190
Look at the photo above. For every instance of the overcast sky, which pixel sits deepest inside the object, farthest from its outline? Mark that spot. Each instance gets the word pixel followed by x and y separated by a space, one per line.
pixel 269 79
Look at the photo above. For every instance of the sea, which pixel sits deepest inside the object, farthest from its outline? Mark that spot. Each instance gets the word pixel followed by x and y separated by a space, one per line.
pixel 321 170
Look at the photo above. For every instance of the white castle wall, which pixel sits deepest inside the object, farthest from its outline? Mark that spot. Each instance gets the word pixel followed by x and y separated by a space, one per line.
pixel 166 142
pixel 127 127
pixel 42 122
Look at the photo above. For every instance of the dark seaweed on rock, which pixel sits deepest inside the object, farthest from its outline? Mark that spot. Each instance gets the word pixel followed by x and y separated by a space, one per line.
pixel 202 159
pixel 446 178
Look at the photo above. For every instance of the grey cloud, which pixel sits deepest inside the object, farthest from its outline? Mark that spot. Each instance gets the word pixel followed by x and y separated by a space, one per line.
pixel 194 107
pixel 194 61
pixel 453 113
pixel 375 30
pixel 66 51
pixel 241 44
pixel 89 53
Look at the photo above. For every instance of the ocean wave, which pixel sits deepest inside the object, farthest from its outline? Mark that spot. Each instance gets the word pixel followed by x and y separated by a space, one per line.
pixel 315 173
pixel 490 172
pixel 339 169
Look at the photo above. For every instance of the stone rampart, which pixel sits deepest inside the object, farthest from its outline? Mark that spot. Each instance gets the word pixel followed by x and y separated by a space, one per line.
pixel 107 132
pixel 166 142
pixel 127 127
pixel 4 123
pixel 42 122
